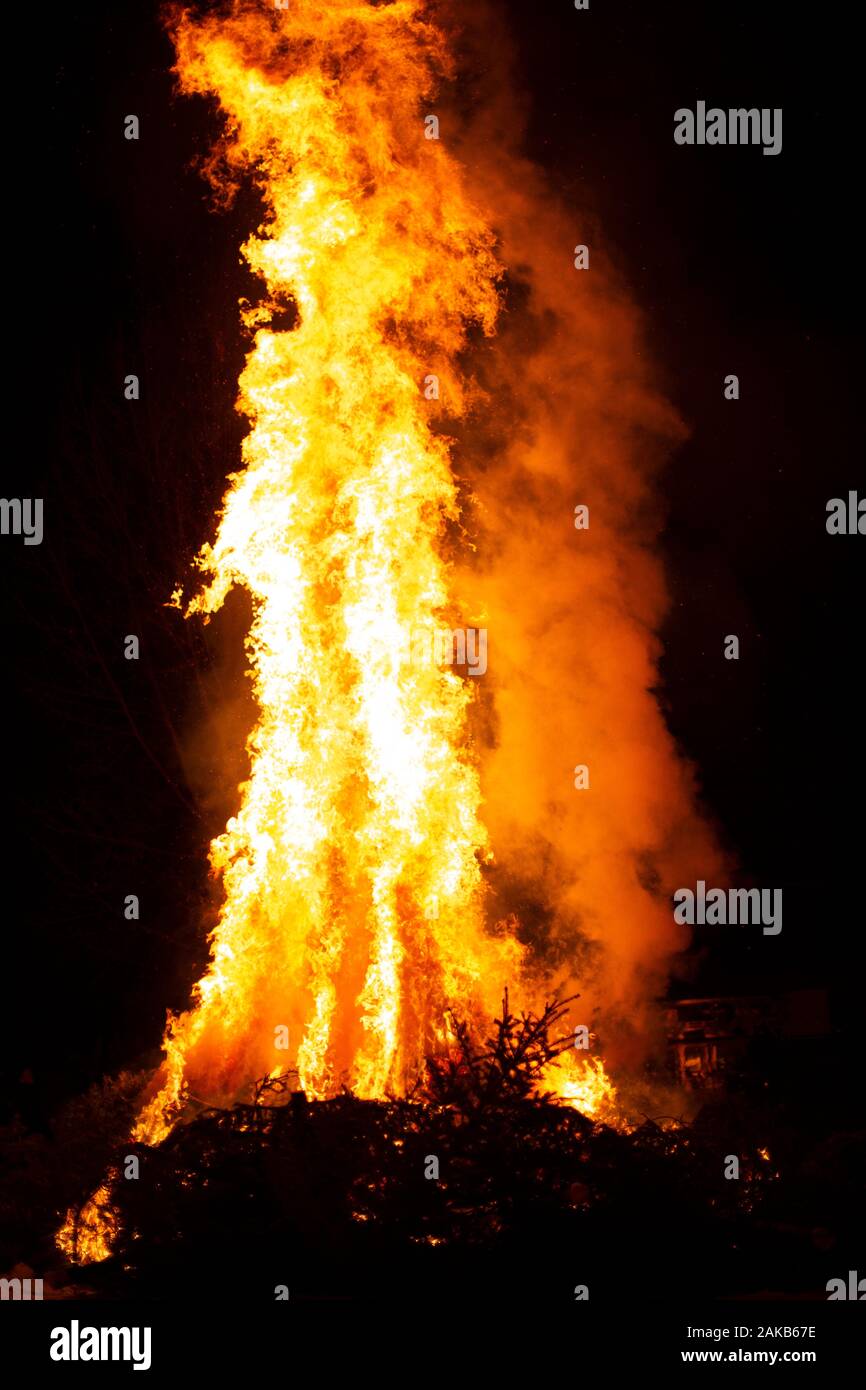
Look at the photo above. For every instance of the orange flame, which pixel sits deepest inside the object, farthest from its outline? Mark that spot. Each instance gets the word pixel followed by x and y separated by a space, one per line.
pixel 358 875
pixel 88 1233
pixel 352 911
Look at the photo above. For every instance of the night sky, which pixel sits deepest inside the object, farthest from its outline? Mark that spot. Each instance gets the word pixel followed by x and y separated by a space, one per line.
pixel 118 773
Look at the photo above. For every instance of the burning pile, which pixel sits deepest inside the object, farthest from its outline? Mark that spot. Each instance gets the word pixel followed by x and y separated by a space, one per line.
pixel 361 897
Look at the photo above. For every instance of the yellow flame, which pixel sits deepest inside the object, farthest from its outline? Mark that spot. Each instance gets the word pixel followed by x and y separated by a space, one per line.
pixel 352 911
pixel 584 1084
pixel 88 1233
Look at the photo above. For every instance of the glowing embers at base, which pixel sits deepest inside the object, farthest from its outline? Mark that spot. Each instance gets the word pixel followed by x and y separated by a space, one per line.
pixel 87 1234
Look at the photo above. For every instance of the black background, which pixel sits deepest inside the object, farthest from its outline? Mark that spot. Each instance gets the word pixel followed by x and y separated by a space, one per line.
pixel 742 263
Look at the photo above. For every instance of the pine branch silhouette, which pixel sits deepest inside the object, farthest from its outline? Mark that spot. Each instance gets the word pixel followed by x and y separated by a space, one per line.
pixel 505 1068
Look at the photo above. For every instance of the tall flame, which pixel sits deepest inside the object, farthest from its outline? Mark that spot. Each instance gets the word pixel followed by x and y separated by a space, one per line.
pixel 359 887
pixel 353 910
